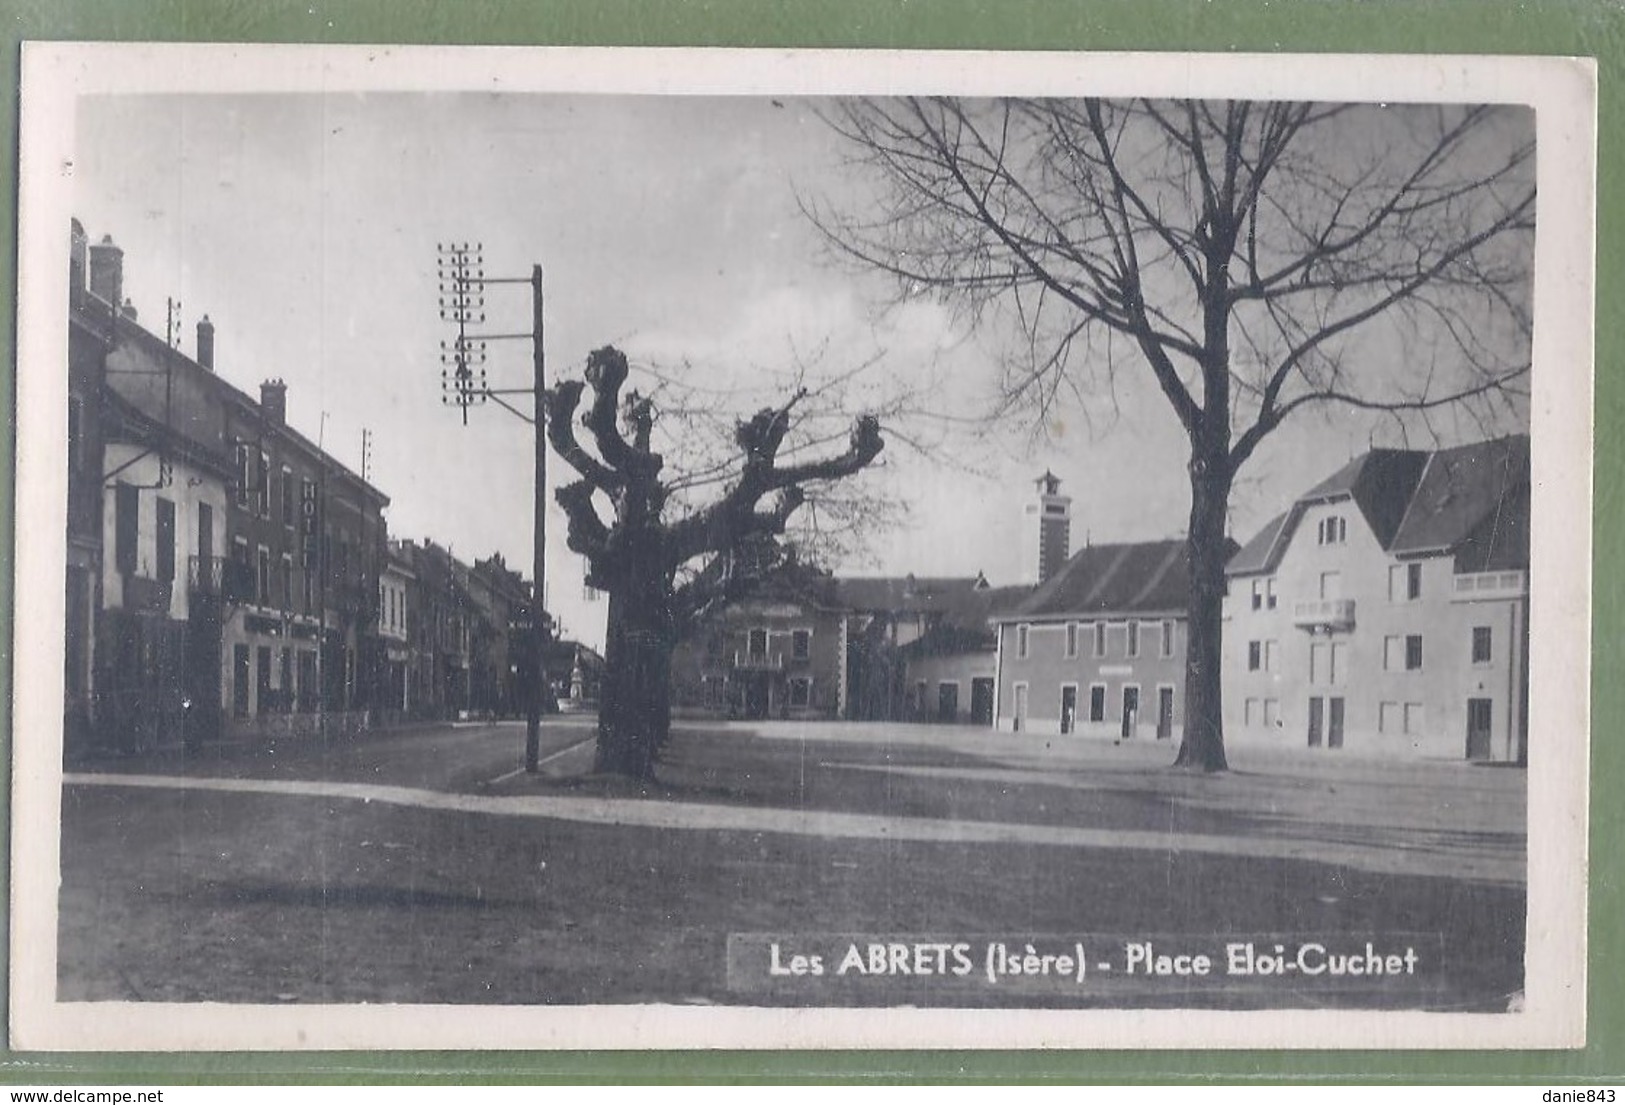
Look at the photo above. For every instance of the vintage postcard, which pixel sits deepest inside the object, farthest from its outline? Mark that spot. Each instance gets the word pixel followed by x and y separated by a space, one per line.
pixel 540 548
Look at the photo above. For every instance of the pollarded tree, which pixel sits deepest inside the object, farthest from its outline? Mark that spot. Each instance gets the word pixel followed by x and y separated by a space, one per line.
pixel 1248 260
pixel 662 572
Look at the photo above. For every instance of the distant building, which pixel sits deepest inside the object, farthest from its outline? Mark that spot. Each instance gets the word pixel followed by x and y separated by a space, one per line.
pixel 1387 611
pixel 922 648
pixel 778 654
pixel 1099 648
pixel 395 587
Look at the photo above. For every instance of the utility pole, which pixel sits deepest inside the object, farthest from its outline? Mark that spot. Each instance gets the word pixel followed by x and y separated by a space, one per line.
pixel 463 384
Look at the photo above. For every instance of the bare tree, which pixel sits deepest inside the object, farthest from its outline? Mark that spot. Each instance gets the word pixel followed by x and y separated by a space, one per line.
pixel 663 572
pixel 1251 260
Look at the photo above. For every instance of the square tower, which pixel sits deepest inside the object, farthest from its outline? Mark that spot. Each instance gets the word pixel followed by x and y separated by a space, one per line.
pixel 1047 533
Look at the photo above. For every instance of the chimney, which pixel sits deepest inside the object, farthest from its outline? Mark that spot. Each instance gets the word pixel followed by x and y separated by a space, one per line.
pixel 128 310
pixel 107 272
pixel 205 343
pixel 274 402
pixel 78 248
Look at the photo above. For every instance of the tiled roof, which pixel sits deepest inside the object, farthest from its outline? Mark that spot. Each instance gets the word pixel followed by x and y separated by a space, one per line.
pixel 964 602
pixel 1473 499
pixel 1460 489
pixel 1148 577
pixel 1258 554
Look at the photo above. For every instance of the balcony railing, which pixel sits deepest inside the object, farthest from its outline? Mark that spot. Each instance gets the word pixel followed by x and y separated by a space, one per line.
pixel 1476 586
pixel 1324 614
pixel 758 661
pixel 229 579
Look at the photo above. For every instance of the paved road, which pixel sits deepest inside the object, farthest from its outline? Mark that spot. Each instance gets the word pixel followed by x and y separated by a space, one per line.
pixel 440 757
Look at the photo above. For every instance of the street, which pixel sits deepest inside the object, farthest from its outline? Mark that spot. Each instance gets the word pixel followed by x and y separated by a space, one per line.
pixel 420 866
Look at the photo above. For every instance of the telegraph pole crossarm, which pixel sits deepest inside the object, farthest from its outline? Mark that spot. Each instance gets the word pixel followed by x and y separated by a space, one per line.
pixel 463 383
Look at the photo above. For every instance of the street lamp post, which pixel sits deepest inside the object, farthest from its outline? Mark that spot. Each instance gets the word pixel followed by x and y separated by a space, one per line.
pixel 463 384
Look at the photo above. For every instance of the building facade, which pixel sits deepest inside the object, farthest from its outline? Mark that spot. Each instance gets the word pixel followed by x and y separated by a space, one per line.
pixel 779 655
pixel 289 556
pixel 1386 612
pixel 1099 648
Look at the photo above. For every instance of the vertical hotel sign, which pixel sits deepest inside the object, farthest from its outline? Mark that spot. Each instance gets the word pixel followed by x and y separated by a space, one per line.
pixel 309 525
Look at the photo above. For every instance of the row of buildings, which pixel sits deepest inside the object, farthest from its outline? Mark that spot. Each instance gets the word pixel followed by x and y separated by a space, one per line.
pixel 1385 611
pixel 226 574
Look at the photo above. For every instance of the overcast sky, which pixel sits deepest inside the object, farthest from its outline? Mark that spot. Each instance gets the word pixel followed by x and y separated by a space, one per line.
pixel 306 226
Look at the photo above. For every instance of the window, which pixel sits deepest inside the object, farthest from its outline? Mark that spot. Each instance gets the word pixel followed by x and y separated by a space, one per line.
pixel 801 644
pixel 262 485
pixel 1271 660
pixel 1413 652
pixel 287 497
pixel 1393 654
pixel 1133 638
pixel 287 581
pixel 1021 641
pixel 245 474
pixel 800 691
pixel 1167 639
pixel 308 578
pixel 1255 655
pixel 1272 712
pixel 1269 593
pixel 263 578
pixel 1100 639
pixel 1390 718
pixel 126 526
pixel 1071 640
pixel 1319 663
pixel 1252 715
pixel 166 540
pixel 1413 717
pixel 1097 702
pixel 1258 594
pixel 1481 644
pixel 1331 585
pixel 1332 530
pixel 1413 581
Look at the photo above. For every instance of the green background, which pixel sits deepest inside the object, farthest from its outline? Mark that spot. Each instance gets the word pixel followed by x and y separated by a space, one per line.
pixel 1592 28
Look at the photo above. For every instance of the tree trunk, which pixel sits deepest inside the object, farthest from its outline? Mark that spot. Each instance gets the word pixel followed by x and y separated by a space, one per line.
pixel 1202 746
pixel 634 712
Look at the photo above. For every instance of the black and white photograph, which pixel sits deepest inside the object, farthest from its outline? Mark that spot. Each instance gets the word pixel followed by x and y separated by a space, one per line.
pixel 655 548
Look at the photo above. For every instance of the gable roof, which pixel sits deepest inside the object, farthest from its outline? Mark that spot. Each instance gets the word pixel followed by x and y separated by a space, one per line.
pixel 963 602
pixel 1418 502
pixel 1146 577
pixel 1460 490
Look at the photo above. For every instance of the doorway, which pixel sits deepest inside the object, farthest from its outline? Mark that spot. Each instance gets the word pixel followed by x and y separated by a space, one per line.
pixel 1131 710
pixel 1317 721
pixel 1165 713
pixel 981 701
pixel 1019 720
pixel 1334 723
pixel 1479 714
pixel 1069 708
